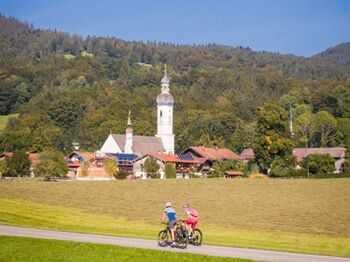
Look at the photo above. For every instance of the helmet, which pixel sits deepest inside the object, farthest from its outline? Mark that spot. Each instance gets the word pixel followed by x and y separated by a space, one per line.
pixel 167 204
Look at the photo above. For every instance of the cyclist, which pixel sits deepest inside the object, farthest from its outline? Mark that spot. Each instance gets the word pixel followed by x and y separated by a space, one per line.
pixel 192 218
pixel 171 214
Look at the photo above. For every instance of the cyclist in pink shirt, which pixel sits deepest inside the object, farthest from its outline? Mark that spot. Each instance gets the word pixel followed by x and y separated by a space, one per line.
pixel 192 217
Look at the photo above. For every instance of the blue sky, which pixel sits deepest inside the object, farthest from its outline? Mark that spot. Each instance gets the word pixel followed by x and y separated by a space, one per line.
pixel 301 27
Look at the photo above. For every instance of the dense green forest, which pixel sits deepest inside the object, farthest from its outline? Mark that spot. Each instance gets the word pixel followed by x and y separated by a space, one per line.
pixel 69 88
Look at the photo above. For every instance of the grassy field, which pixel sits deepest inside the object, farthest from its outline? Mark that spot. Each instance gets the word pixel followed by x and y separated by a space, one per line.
pixel 311 216
pixel 4 120
pixel 31 249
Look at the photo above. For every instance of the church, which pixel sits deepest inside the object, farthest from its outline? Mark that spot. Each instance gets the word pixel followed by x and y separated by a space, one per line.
pixel 162 142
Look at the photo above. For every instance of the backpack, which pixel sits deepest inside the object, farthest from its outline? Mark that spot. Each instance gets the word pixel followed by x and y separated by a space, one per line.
pixel 194 213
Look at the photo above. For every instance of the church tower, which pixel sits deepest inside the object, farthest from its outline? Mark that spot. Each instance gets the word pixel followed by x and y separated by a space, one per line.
pixel 165 104
pixel 128 137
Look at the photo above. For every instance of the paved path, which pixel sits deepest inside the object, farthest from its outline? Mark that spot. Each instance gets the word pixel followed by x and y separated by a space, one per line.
pixel 152 244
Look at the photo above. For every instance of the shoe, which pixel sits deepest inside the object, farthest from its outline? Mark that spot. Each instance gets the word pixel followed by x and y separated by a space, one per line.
pixel 173 244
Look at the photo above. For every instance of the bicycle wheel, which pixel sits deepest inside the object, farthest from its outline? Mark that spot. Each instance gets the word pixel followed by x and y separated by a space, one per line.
pixel 182 240
pixel 197 237
pixel 163 238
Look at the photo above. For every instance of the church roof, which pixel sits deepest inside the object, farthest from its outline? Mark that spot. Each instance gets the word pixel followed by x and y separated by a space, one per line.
pixel 165 99
pixel 141 144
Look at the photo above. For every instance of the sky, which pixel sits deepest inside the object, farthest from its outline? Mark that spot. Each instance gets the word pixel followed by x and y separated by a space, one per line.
pixel 300 27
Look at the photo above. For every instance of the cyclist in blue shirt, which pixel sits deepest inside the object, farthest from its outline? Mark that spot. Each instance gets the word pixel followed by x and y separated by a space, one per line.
pixel 171 214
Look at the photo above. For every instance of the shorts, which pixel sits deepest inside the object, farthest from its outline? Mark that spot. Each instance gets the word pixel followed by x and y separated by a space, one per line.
pixel 192 222
pixel 172 224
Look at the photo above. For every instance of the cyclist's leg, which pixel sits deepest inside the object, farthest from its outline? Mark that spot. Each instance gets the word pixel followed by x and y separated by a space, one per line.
pixel 171 227
pixel 188 226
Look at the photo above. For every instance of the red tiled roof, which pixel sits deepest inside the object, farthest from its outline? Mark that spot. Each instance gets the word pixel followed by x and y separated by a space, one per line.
pixel 335 152
pixel 175 159
pixel 234 173
pixel 247 154
pixel 215 153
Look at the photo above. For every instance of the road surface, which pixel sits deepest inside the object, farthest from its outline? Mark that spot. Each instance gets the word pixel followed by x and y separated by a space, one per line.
pixel 254 254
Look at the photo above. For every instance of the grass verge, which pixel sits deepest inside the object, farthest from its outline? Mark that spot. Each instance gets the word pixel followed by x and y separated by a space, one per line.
pixel 32 249
pixel 28 214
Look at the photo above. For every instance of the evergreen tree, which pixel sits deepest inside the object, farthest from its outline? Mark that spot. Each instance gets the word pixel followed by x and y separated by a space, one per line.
pixel 170 171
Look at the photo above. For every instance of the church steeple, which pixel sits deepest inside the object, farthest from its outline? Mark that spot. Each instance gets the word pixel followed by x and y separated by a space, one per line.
pixel 128 136
pixel 165 104
pixel 165 82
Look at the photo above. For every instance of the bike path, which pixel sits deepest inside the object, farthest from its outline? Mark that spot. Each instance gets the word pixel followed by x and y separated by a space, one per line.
pixel 210 250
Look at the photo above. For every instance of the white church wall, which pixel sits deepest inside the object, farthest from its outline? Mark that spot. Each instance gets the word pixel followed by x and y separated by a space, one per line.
pixel 110 146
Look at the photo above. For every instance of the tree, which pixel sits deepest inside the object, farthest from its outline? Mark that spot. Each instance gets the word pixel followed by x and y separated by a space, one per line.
pixel 3 167
pixel 325 128
pixel 111 167
pixel 220 167
pixel 85 169
pixel 51 165
pixel 151 167
pixel 18 164
pixel 304 127
pixel 317 163
pixel 272 145
pixel 170 171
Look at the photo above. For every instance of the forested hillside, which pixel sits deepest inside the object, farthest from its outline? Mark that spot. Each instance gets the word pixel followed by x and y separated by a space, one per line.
pixel 339 53
pixel 67 88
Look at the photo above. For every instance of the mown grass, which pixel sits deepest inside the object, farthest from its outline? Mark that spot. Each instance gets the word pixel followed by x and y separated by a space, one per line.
pixel 310 216
pixel 31 249
pixel 5 119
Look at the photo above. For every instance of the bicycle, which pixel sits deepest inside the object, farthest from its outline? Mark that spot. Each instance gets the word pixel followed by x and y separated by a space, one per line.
pixel 195 237
pixel 180 234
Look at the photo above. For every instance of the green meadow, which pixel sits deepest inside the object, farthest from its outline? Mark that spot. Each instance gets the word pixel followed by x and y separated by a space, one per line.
pixel 31 249
pixel 310 216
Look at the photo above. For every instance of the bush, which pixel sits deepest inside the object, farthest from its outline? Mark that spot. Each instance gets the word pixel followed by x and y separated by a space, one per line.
pixel 298 172
pixel 339 175
pixel 51 165
pixel 346 166
pixel 151 167
pixel 122 175
pixel 17 165
pixel 279 168
pixel 111 167
pixel 317 163
pixel 220 167
pixel 170 171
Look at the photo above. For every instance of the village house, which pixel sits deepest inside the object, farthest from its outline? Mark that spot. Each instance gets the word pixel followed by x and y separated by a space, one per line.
pixel 338 153
pixel 184 164
pixel 87 166
pixel 210 155
pixel 125 162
